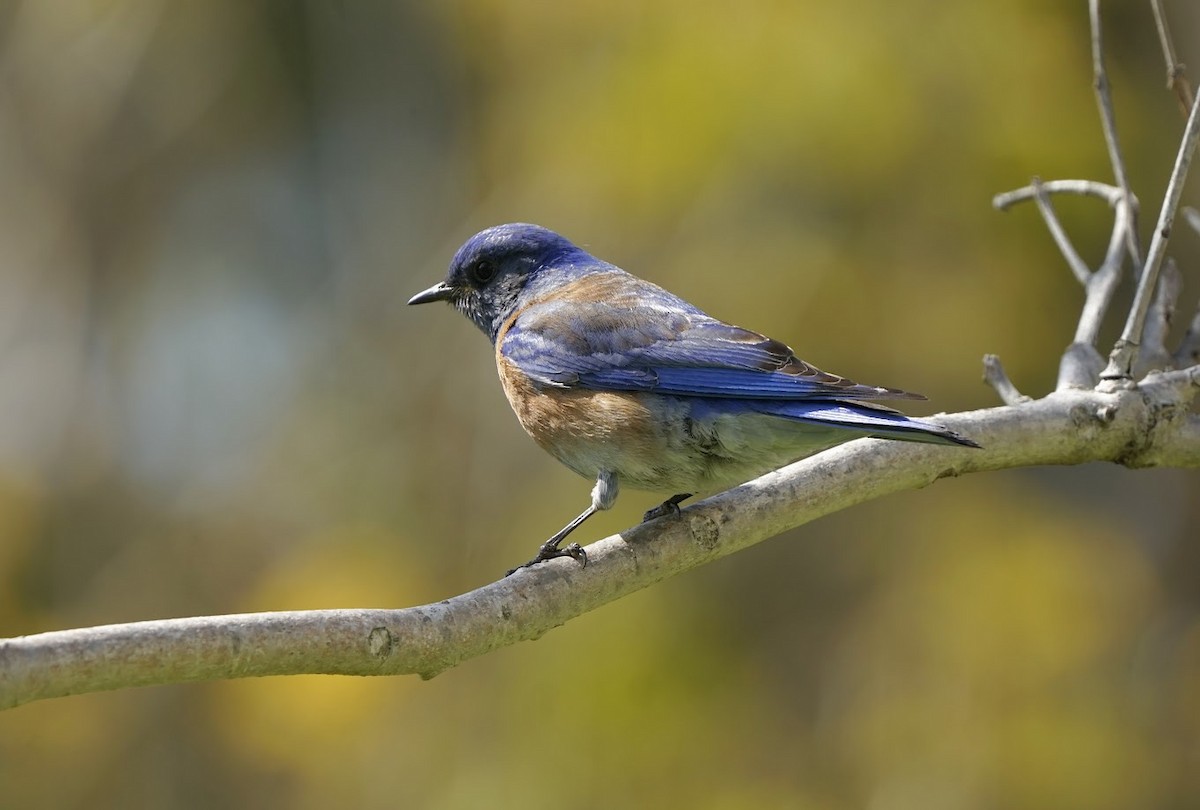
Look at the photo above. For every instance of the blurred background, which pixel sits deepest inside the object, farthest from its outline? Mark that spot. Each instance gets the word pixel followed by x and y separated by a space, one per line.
pixel 213 398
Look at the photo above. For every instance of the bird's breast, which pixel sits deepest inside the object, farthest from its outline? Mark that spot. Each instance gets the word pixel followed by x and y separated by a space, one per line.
pixel 587 430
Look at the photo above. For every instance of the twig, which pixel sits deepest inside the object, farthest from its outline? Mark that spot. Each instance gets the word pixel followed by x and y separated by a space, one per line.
pixel 1177 79
pixel 1086 188
pixel 995 376
pixel 1108 122
pixel 1120 362
pixel 1058 233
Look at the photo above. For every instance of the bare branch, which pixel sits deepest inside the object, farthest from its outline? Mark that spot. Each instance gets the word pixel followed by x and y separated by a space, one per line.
pixel 1177 79
pixel 1074 261
pixel 1124 354
pixel 995 376
pixel 1147 425
pixel 1086 188
pixel 1108 122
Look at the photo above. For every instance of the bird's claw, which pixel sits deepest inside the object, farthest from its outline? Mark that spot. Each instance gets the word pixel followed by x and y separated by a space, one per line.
pixel 668 507
pixel 551 551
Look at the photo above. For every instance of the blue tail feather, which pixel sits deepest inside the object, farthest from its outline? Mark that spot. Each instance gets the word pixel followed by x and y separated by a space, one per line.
pixel 869 419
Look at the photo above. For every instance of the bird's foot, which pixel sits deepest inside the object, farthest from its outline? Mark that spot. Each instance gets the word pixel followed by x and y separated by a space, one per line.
pixel 550 550
pixel 668 507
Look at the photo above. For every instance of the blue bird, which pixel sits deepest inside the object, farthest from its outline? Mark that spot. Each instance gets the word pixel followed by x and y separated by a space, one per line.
pixel 624 382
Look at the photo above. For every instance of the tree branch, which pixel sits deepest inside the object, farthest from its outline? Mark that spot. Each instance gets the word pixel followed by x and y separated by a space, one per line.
pixel 995 376
pixel 1177 79
pixel 1108 121
pixel 1124 354
pixel 1142 426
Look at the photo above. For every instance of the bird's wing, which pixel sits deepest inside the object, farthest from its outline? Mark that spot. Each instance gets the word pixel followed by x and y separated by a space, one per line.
pixel 639 343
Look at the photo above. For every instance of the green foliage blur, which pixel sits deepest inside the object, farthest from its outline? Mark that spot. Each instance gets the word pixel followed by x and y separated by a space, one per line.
pixel 213 399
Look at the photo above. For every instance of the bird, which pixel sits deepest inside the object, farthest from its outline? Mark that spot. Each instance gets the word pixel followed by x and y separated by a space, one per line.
pixel 628 384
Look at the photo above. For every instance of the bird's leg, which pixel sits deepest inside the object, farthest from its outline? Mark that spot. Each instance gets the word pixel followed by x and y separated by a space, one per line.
pixel 604 494
pixel 549 550
pixel 668 507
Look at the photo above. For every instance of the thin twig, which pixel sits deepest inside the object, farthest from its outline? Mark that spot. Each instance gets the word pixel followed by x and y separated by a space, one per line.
pixel 995 376
pixel 1120 362
pixel 1058 233
pixel 1177 79
pixel 1108 122
pixel 1085 188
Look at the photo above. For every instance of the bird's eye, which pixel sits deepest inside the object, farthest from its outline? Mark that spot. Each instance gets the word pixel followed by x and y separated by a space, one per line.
pixel 482 272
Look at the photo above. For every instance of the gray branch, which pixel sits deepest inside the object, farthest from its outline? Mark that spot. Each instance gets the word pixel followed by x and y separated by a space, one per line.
pixel 1124 354
pixel 1177 79
pixel 1144 426
pixel 1108 120
pixel 995 376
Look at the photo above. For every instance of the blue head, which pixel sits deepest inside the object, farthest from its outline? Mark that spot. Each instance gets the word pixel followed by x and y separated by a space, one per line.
pixel 491 270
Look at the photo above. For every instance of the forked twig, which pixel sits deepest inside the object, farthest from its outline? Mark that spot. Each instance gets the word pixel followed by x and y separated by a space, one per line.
pixel 1081 364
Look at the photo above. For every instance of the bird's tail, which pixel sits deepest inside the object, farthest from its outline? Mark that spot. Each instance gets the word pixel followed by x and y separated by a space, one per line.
pixel 868 419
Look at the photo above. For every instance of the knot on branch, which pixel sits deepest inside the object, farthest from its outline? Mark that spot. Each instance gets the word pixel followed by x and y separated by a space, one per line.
pixel 380 643
pixel 1165 403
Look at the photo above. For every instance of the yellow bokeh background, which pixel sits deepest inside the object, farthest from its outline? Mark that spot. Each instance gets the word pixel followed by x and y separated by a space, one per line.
pixel 213 398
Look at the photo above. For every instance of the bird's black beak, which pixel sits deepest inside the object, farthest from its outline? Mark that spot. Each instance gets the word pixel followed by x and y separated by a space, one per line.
pixel 438 292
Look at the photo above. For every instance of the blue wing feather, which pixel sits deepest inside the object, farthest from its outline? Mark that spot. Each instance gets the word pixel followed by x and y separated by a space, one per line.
pixel 649 340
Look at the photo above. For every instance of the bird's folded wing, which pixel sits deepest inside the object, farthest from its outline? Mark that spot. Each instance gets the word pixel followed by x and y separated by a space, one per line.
pixel 617 346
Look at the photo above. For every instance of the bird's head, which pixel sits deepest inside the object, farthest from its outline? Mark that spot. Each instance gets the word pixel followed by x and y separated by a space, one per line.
pixel 492 268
